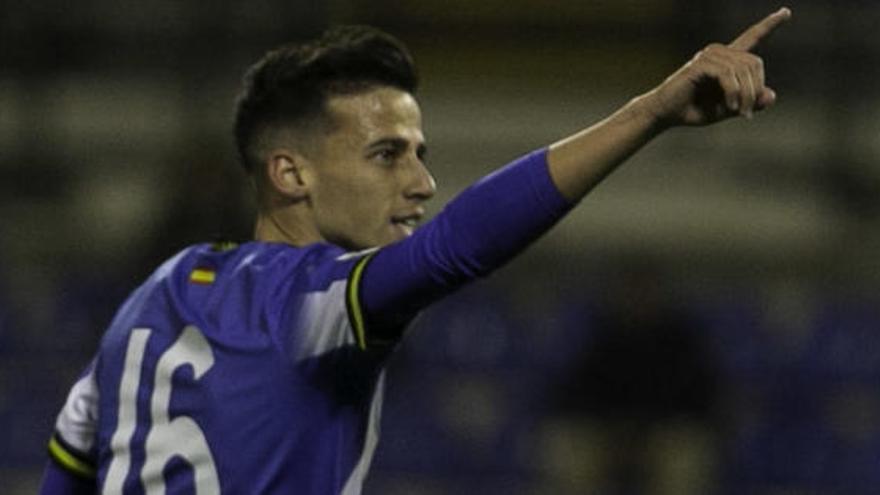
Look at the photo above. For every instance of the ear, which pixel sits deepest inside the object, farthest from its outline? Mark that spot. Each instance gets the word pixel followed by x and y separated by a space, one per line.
pixel 285 174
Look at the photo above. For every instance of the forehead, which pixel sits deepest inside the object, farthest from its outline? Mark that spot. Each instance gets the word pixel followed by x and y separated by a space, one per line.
pixel 375 113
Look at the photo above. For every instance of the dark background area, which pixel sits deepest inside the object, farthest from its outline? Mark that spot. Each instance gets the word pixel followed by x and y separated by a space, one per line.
pixel 116 151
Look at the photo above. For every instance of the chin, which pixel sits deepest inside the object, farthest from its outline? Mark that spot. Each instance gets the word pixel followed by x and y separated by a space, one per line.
pixel 383 239
pixel 388 241
pixel 374 243
pixel 399 237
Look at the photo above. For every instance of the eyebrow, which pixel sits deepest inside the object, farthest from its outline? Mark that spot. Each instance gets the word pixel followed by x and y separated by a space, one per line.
pixel 398 144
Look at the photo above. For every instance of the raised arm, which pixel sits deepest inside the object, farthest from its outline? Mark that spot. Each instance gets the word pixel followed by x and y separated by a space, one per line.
pixel 500 215
pixel 720 82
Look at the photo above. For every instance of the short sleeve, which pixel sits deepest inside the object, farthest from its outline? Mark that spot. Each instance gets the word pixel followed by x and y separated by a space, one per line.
pixel 72 446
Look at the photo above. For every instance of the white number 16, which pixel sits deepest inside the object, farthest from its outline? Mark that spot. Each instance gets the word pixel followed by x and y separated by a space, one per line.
pixel 166 437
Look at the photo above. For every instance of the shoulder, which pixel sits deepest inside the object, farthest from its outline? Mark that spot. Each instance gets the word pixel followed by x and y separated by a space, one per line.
pixel 252 270
pixel 312 267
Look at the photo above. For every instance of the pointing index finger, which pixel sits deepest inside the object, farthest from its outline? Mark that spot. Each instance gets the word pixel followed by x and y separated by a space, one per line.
pixel 750 38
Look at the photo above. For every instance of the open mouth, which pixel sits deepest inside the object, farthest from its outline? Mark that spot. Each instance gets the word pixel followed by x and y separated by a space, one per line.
pixel 409 222
pixel 406 222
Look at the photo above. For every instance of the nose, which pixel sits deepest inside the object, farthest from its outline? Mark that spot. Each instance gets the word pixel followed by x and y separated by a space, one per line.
pixel 422 185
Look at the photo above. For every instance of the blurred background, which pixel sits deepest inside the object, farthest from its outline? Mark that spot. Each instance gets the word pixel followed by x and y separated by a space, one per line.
pixel 706 322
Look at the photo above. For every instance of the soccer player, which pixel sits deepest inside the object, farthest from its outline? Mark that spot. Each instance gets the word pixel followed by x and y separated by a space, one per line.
pixel 258 368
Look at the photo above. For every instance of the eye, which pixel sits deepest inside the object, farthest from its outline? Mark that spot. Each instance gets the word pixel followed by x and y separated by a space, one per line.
pixel 386 154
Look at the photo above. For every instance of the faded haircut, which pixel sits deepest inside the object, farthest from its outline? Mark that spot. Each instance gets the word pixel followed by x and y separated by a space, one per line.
pixel 290 85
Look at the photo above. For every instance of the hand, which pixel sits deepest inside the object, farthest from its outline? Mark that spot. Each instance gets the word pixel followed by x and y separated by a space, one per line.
pixel 721 81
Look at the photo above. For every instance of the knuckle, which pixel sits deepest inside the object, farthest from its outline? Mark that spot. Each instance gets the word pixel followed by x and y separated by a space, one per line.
pixel 758 63
pixel 709 51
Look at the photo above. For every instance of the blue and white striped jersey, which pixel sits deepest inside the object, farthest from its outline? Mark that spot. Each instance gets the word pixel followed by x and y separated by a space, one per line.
pixel 233 370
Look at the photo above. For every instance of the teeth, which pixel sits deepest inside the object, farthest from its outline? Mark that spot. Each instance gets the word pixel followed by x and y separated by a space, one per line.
pixel 409 222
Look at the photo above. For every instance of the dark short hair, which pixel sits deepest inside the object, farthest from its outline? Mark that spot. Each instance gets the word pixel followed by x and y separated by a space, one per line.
pixel 291 84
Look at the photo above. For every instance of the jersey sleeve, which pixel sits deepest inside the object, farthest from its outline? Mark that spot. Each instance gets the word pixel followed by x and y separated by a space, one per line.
pixel 59 481
pixel 72 446
pixel 364 338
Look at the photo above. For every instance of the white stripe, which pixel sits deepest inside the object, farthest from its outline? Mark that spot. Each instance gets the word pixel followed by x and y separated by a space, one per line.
pixel 356 254
pixel 323 324
pixel 355 482
pixel 78 420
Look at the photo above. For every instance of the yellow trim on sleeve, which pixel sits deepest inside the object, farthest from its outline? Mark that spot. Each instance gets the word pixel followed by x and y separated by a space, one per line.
pixel 354 302
pixel 70 461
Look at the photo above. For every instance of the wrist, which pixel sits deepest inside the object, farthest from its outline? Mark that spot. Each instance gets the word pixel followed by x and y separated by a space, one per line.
pixel 646 109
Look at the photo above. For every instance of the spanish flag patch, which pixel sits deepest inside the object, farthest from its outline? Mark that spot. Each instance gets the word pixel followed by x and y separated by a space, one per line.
pixel 204 276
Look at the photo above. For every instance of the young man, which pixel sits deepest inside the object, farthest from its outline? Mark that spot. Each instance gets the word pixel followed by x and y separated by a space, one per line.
pixel 258 368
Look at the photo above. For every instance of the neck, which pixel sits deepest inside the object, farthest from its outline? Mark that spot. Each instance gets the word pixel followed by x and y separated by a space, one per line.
pixel 285 224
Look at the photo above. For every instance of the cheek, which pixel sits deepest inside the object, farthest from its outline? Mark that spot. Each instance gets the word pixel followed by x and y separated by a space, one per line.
pixel 355 205
pixel 364 207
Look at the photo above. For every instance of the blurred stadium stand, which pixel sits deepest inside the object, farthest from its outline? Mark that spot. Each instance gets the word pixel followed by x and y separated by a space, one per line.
pixel 115 151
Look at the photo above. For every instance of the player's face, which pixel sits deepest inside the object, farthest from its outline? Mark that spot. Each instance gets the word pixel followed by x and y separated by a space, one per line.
pixel 369 179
